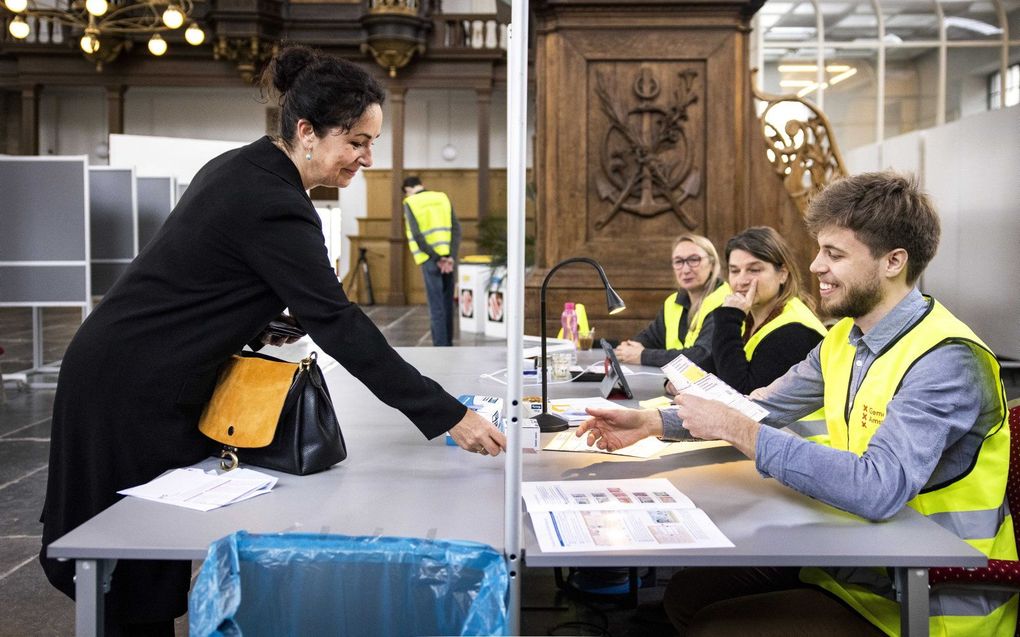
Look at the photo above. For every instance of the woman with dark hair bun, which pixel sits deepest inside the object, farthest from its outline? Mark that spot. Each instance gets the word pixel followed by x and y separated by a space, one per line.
pixel 243 244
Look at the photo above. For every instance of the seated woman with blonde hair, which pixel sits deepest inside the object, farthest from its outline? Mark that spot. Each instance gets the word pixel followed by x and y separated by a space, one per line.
pixel 681 326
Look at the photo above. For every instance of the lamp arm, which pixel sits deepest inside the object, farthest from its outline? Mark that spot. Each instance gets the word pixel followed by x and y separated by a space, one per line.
pixel 542 330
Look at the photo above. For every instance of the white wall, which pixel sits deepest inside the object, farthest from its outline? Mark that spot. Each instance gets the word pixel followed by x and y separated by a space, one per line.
pixel 73 122
pixel 970 168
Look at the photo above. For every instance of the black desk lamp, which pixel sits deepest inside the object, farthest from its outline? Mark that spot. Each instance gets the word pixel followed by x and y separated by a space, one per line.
pixel 552 422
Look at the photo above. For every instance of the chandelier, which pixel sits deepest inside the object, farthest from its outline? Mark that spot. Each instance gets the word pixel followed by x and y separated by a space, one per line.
pixel 94 21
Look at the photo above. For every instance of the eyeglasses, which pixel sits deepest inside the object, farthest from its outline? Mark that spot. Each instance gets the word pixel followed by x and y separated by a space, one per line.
pixel 693 261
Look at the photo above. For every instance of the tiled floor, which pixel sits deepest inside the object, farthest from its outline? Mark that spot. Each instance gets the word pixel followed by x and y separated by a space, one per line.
pixel 31 607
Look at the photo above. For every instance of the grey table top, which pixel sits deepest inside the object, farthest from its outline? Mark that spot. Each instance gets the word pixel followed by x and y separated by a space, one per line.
pixel 395 482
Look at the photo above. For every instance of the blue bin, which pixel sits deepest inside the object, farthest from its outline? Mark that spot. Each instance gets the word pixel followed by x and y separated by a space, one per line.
pixel 308 584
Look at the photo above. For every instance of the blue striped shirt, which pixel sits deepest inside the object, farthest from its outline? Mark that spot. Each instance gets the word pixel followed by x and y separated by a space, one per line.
pixel 933 427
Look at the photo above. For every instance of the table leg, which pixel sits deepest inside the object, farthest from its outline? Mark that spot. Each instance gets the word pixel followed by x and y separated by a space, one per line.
pixel 912 584
pixel 91 581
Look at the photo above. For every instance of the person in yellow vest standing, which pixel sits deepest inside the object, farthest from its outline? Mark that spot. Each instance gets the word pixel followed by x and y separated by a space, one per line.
pixel 681 326
pixel 433 234
pixel 766 325
pixel 916 416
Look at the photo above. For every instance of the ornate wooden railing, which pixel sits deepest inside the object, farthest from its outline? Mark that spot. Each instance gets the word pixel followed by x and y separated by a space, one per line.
pixel 803 153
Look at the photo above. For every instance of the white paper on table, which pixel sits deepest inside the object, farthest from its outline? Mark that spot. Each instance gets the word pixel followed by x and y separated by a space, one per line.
pixel 568 441
pixel 573 409
pixel 193 488
pixel 691 379
pixel 606 515
pixel 646 448
pixel 607 530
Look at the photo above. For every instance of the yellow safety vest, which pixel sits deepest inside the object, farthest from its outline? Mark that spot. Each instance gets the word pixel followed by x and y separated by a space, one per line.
pixel 793 312
pixel 973 506
pixel 434 214
pixel 672 312
pixel 811 426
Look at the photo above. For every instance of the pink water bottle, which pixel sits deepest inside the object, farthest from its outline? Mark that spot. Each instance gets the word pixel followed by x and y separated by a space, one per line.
pixel 568 320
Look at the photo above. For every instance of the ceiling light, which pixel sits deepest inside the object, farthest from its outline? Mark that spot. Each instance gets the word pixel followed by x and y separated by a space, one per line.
pixel 795 83
pixel 842 76
pixel 969 24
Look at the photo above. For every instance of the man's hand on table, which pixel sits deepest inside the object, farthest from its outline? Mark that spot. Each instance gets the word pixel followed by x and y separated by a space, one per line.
pixel 477 435
pixel 612 429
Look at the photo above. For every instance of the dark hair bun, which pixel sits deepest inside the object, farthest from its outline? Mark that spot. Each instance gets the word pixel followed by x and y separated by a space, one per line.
pixel 288 64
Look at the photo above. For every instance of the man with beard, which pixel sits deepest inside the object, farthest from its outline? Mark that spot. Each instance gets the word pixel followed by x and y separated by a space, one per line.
pixel 916 416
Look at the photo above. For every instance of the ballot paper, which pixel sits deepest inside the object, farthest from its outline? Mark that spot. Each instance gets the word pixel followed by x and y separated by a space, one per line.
pixel 194 488
pixel 688 378
pixel 617 515
pixel 645 448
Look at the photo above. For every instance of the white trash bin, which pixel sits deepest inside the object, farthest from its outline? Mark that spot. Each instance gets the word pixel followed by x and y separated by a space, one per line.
pixel 495 306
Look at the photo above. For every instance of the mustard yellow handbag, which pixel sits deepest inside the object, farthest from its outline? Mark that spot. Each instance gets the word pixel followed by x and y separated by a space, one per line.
pixel 274 414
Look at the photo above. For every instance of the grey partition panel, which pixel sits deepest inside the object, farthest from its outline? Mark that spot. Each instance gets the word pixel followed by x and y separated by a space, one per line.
pixel 113 220
pixel 28 285
pixel 156 198
pixel 44 209
pixel 44 231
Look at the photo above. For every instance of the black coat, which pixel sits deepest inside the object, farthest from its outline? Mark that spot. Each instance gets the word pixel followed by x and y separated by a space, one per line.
pixel 243 244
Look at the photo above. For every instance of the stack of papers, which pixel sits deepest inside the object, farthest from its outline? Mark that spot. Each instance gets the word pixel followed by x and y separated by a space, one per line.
pixel 573 409
pixel 194 488
pixel 617 515
pixel 690 379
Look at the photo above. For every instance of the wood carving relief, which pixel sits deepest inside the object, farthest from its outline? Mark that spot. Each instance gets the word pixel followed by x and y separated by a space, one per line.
pixel 650 144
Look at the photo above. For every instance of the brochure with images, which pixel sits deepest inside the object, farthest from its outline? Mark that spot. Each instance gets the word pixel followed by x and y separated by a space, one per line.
pixel 617 515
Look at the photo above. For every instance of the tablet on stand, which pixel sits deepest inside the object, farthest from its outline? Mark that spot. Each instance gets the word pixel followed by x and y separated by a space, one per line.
pixel 614 385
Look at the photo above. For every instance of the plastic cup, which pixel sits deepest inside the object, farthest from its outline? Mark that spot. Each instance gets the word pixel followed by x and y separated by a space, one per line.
pixel 559 365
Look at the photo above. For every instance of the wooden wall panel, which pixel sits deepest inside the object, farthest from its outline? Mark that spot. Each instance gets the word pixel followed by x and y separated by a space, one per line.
pixel 643 117
pixel 461 185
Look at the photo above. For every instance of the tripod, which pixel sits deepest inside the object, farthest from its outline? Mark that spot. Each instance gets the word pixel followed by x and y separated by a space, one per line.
pixel 353 280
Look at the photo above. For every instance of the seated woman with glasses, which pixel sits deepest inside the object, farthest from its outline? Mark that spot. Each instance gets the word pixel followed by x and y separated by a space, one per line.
pixel 764 327
pixel 681 326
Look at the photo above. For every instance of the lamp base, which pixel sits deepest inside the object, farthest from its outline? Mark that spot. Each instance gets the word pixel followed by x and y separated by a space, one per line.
pixel 551 422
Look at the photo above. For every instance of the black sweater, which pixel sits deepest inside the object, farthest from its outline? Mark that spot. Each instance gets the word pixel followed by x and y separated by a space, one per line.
pixel 773 357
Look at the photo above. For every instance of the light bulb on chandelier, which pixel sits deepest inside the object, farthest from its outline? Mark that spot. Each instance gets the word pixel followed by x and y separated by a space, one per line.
pixel 17 6
pixel 96 7
pixel 194 34
pixel 172 17
pixel 90 41
pixel 157 45
pixel 19 28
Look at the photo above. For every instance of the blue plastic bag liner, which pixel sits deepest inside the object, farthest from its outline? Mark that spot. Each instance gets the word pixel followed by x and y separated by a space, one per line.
pixel 309 584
